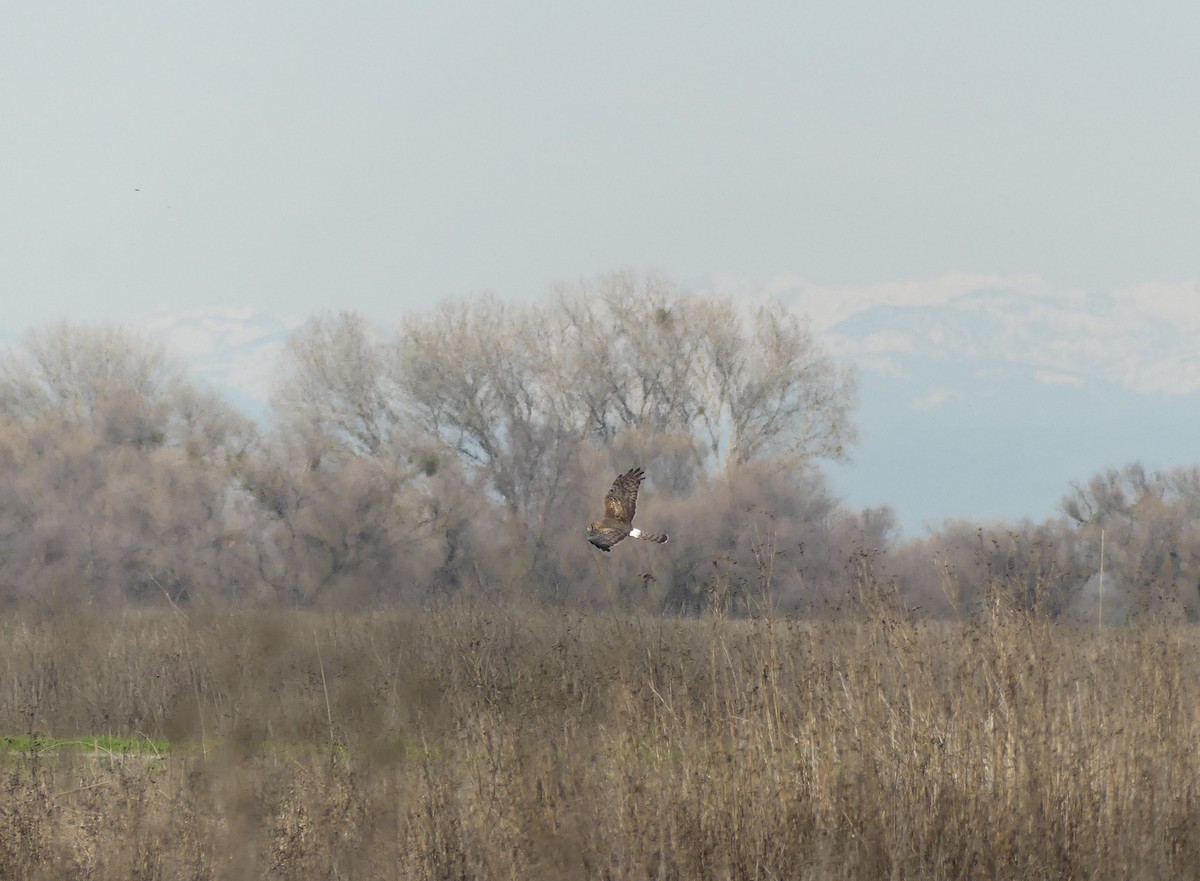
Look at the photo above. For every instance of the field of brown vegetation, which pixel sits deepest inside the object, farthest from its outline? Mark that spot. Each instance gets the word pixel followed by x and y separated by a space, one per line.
pixel 365 638
pixel 523 742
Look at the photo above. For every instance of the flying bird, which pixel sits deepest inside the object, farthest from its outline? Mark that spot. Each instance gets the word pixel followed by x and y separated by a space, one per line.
pixel 619 505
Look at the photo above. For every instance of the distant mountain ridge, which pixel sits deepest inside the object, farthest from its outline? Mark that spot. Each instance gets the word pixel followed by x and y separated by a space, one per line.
pixel 1146 347
pixel 232 349
pixel 986 399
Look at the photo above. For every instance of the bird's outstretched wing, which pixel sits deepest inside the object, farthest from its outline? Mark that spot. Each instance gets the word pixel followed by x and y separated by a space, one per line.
pixel 621 501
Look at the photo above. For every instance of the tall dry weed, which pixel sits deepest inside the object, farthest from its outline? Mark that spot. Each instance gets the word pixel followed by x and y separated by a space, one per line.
pixel 521 742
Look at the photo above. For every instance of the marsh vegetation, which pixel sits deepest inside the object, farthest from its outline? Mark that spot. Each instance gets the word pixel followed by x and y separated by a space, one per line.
pixel 484 741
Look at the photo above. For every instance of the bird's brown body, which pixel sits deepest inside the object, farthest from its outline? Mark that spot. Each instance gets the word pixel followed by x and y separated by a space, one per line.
pixel 619 507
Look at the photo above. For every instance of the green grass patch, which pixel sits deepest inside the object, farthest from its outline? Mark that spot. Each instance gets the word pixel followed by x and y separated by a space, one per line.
pixel 101 745
pixel 31 744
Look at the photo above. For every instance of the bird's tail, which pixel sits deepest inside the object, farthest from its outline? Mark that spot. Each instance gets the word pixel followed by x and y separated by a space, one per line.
pixel 659 537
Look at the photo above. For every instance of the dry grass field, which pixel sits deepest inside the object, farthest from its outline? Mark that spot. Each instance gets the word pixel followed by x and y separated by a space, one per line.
pixel 525 743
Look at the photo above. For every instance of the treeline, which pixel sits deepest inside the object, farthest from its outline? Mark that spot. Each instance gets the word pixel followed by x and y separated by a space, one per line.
pixel 464 451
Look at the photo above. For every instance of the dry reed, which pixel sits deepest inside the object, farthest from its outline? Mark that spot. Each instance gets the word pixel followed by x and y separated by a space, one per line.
pixel 527 743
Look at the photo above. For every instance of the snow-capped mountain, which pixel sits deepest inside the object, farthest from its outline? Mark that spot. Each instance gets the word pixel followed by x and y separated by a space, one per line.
pixel 232 349
pixel 986 397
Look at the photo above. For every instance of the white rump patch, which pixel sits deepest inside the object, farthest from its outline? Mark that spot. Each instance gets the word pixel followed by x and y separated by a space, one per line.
pixel 635 532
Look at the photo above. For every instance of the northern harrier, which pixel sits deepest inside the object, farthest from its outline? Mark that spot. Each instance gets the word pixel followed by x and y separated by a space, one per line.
pixel 619 505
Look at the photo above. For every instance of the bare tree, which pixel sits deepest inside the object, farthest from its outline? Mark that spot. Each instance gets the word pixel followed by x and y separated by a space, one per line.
pixel 521 397
pixel 454 387
pixel 643 353
pixel 105 376
pixel 632 355
pixel 781 392
pixel 1151 545
pixel 120 477
pixel 506 385
pixel 476 376
pixel 337 379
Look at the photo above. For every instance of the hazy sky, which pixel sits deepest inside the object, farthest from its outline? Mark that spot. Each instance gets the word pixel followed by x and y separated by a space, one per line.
pixel 383 155
pixel 299 157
